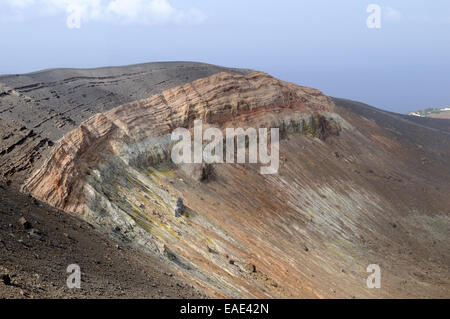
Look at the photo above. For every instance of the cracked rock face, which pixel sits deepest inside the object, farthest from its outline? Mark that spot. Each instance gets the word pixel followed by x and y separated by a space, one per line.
pixel 242 234
pixel 139 132
pixel 115 169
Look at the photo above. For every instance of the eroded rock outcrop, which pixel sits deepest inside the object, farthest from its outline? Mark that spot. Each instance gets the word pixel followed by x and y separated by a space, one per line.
pixel 308 231
pixel 92 170
pixel 222 100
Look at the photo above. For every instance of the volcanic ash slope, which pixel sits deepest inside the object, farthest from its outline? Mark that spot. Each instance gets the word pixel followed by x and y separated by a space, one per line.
pixel 310 230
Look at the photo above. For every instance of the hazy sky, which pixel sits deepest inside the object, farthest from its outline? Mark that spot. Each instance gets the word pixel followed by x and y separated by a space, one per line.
pixel 326 44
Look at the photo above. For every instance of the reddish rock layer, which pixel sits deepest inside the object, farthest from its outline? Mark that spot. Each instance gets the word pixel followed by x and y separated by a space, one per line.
pixel 222 99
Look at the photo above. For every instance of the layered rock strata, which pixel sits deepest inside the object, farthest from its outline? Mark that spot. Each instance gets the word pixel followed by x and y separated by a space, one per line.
pixel 310 230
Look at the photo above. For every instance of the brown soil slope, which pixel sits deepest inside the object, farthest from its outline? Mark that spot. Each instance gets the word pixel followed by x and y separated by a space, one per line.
pixel 356 186
pixel 33 262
